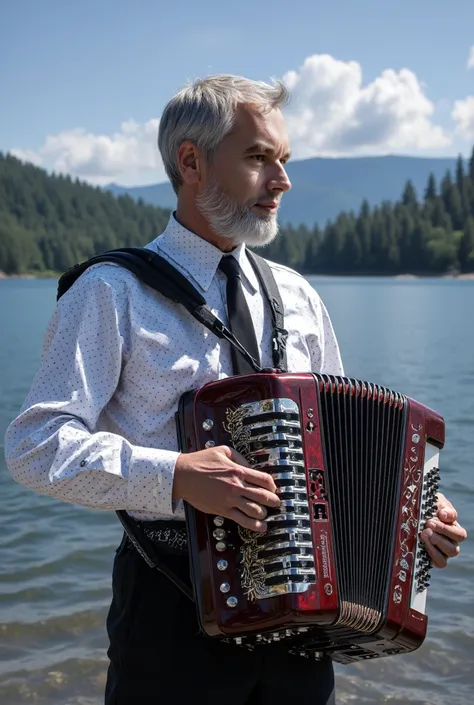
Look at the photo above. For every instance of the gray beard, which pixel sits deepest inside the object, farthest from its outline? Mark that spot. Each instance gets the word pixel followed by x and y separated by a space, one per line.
pixel 233 221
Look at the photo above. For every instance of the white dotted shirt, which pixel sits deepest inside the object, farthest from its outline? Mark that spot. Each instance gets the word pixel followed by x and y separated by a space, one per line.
pixel 98 427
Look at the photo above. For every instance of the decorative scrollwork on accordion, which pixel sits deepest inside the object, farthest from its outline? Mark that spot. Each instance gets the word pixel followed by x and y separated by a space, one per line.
pixel 268 433
pixel 252 567
pixel 234 426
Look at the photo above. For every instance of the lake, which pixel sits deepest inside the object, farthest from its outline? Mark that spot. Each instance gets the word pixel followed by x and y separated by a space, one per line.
pixel 416 336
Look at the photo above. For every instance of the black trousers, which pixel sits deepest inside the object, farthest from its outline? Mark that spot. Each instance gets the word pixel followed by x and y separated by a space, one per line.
pixel 159 657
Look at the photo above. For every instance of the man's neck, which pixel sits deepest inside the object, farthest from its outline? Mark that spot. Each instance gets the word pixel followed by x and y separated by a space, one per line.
pixel 196 224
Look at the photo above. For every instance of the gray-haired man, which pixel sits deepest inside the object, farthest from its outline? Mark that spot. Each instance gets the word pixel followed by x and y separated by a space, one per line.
pixel 98 427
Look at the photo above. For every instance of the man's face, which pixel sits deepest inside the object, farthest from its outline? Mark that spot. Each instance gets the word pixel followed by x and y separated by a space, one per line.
pixel 245 180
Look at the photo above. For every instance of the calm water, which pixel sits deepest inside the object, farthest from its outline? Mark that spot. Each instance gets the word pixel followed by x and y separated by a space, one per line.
pixel 56 559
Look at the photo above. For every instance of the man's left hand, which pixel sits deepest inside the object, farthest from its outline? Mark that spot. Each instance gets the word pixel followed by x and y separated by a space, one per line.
pixel 442 534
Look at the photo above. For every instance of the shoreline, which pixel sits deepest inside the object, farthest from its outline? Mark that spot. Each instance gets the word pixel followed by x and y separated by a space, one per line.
pixel 461 277
pixel 46 275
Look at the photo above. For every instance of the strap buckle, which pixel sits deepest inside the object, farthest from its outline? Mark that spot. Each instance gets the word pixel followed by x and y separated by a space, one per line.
pixel 280 338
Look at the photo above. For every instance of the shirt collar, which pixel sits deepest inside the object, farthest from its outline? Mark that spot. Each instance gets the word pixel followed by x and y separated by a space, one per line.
pixel 197 257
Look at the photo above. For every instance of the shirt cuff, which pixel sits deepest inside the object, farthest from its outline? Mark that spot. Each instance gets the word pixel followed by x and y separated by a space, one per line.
pixel 150 481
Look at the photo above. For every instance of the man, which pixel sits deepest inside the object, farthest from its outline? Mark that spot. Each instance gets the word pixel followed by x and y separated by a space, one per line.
pixel 98 425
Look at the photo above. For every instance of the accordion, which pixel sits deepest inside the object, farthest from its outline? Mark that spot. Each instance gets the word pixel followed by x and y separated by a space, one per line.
pixel 341 569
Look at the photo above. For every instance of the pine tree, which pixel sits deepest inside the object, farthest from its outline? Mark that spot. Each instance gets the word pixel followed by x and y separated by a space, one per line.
pixel 460 174
pixel 466 247
pixel 452 202
pixel 409 196
pixel 430 191
pixel 471 167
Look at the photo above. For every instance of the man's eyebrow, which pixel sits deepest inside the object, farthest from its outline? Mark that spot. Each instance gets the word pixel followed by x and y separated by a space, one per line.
pixel 259 147
pixel 263 148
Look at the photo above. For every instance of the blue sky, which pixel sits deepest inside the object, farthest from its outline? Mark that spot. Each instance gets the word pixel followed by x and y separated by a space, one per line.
pixel 83 84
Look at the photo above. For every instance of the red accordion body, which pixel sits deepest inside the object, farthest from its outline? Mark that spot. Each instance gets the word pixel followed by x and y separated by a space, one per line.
pixel 341 568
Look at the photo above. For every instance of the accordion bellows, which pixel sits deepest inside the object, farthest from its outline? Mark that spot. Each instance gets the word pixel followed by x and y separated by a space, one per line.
pixel 341 569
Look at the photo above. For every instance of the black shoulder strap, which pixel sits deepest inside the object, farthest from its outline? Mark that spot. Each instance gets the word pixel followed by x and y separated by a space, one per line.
pixel 159 274
pixel 270 287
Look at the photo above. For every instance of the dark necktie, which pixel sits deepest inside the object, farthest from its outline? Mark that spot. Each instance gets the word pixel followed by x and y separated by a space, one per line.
pixel 240 320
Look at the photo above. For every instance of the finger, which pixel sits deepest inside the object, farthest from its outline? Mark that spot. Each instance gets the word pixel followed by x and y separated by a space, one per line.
pixel 445 510
pixel 260 496
pixel 455 532
pixel 261 479
pixel 252 509
pixel 438 559
pixel 235 456
pixel 443 544
pixel 246 521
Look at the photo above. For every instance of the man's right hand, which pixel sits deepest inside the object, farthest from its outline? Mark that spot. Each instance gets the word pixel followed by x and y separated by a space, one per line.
pixel 220 481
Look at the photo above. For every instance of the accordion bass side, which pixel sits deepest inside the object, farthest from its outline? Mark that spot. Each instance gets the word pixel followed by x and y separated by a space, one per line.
pixel 341 569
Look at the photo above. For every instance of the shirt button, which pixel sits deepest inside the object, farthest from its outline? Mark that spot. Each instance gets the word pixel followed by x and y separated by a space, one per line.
pixel 82 463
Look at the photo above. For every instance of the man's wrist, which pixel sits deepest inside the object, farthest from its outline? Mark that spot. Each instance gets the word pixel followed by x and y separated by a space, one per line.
pixel 179 478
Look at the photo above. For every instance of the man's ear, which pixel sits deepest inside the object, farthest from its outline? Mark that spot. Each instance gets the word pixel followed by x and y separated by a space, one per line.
pixel 189 163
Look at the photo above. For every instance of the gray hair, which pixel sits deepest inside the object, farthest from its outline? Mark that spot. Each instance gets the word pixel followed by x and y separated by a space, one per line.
pixel 203 112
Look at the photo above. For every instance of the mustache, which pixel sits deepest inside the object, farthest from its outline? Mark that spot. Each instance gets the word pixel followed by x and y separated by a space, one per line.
pixel 269 198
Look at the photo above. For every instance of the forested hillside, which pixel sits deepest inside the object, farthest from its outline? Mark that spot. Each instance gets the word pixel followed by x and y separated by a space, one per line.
pixel 48 223
pixel 428 233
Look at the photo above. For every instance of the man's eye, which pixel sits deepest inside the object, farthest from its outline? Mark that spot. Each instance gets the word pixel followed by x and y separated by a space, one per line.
pixel 258 157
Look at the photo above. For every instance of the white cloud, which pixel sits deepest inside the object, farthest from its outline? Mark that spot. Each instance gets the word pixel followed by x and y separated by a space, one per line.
pixel 28 155
pixel 470 60
pixel 463 115
pixel 332 113
pixel 101 159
